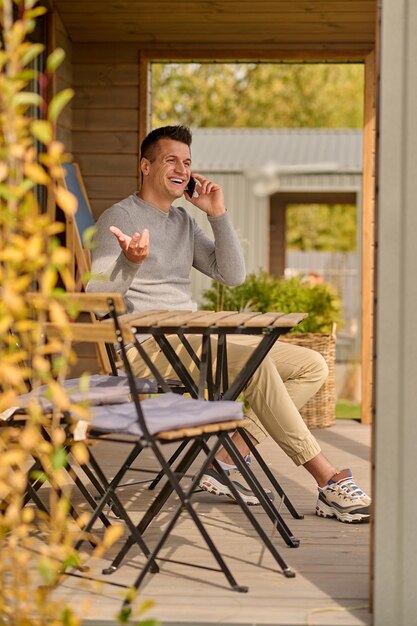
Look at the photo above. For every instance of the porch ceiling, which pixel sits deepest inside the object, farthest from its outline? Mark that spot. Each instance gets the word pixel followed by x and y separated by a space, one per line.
pixel 333 24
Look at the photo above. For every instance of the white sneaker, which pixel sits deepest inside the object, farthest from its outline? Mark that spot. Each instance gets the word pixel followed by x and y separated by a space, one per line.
pixel 213 482
pixel 344 500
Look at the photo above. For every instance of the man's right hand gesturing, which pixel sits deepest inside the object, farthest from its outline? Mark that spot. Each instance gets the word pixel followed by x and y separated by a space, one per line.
pixel 135 248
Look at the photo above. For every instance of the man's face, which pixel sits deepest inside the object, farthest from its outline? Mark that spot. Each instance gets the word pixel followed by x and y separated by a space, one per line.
pixel 169 171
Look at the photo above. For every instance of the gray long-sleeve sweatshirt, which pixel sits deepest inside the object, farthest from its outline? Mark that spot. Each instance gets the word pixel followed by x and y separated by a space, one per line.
pixel 177 243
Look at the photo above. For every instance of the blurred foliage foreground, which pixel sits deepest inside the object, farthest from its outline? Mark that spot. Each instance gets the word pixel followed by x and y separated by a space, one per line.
pixel 263 292
pixel 35 547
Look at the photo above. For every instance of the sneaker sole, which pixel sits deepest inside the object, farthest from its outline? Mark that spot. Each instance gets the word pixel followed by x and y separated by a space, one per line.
pixel 218 489
pixel 323 510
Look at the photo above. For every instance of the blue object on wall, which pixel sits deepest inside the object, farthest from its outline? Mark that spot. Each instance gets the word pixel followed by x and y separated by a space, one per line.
pixel 83 216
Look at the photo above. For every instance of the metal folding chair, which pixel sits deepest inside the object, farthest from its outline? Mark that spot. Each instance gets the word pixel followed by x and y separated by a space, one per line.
pixel 102 389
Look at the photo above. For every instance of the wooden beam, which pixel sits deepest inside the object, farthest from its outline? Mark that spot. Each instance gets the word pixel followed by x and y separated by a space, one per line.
pixel 277 229
pixel 145 96
pixel 85 53
pixel 302 37
pixel 368 238
pixel 213 9
pixel 281 54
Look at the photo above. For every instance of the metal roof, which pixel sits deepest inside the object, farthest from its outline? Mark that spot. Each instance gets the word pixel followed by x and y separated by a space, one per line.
pixel 292 151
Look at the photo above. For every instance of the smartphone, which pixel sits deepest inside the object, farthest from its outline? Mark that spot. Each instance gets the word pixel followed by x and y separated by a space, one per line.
pixel 190 188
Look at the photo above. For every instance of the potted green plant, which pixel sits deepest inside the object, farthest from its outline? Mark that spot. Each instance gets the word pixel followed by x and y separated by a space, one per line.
pixel 263 292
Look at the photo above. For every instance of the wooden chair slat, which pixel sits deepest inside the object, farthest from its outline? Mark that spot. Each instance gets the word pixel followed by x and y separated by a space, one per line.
pixel 90 333
pixel 196 431
pixel 91 302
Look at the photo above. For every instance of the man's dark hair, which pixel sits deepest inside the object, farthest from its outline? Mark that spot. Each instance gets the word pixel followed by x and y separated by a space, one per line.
pixel 177 133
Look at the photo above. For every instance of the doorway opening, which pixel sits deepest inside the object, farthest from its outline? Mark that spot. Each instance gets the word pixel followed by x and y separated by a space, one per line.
pixel 314 112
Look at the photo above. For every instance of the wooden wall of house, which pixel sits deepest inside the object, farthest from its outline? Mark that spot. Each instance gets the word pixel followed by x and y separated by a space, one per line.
pixel 63 78
pixel 105 120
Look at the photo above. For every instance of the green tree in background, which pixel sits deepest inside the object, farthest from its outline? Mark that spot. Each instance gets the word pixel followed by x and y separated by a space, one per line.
pixel 264 95
pixel 321 227
pixel 270 95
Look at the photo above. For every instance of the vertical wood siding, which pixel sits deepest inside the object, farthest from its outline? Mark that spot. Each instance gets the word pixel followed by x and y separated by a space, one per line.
pixel 105 120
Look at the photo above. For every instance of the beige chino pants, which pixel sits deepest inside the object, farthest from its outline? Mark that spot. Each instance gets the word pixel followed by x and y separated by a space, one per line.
pixel 282 384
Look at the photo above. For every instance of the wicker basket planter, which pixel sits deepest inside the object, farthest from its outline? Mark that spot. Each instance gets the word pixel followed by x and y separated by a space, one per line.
pixel 320 411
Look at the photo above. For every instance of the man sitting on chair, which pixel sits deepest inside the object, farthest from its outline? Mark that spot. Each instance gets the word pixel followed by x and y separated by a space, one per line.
pixel 145 248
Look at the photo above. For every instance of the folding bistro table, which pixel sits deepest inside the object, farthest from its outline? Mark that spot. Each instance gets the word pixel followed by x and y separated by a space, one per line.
pixel 213 380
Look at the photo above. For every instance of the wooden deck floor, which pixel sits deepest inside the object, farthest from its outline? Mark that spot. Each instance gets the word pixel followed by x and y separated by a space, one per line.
pixel 331 565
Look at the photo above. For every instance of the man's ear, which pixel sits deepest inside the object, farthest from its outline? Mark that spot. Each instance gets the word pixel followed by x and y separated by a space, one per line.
pixel 144 166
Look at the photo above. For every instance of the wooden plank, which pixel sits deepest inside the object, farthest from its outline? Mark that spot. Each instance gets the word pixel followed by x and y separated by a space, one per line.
pixel 181 318
pixel 145 97
pixel 238 319
pixel 110 186
pixel 150 318
pixel 63 82
pixel 264 319
pixel 91 333
pixel 210 319
pixel 65 135
pixel 210 7
pixel 277 234
pixel 116 142
pixel 105 74
pixel 277 19
pixel 122 165
pixel 322 22
pixel 107 97
pixel 128 52
pixel 303 34
pixel 195 431
pixel 368 239
pixel 65 119
pixel 86 53
pixel 289 320
pixel 170 318
pixel 105 119
pixel 258 51
pixel 65 70
pixel 359 44
pixel 370 140
pixel 91 302
pixel 125 318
